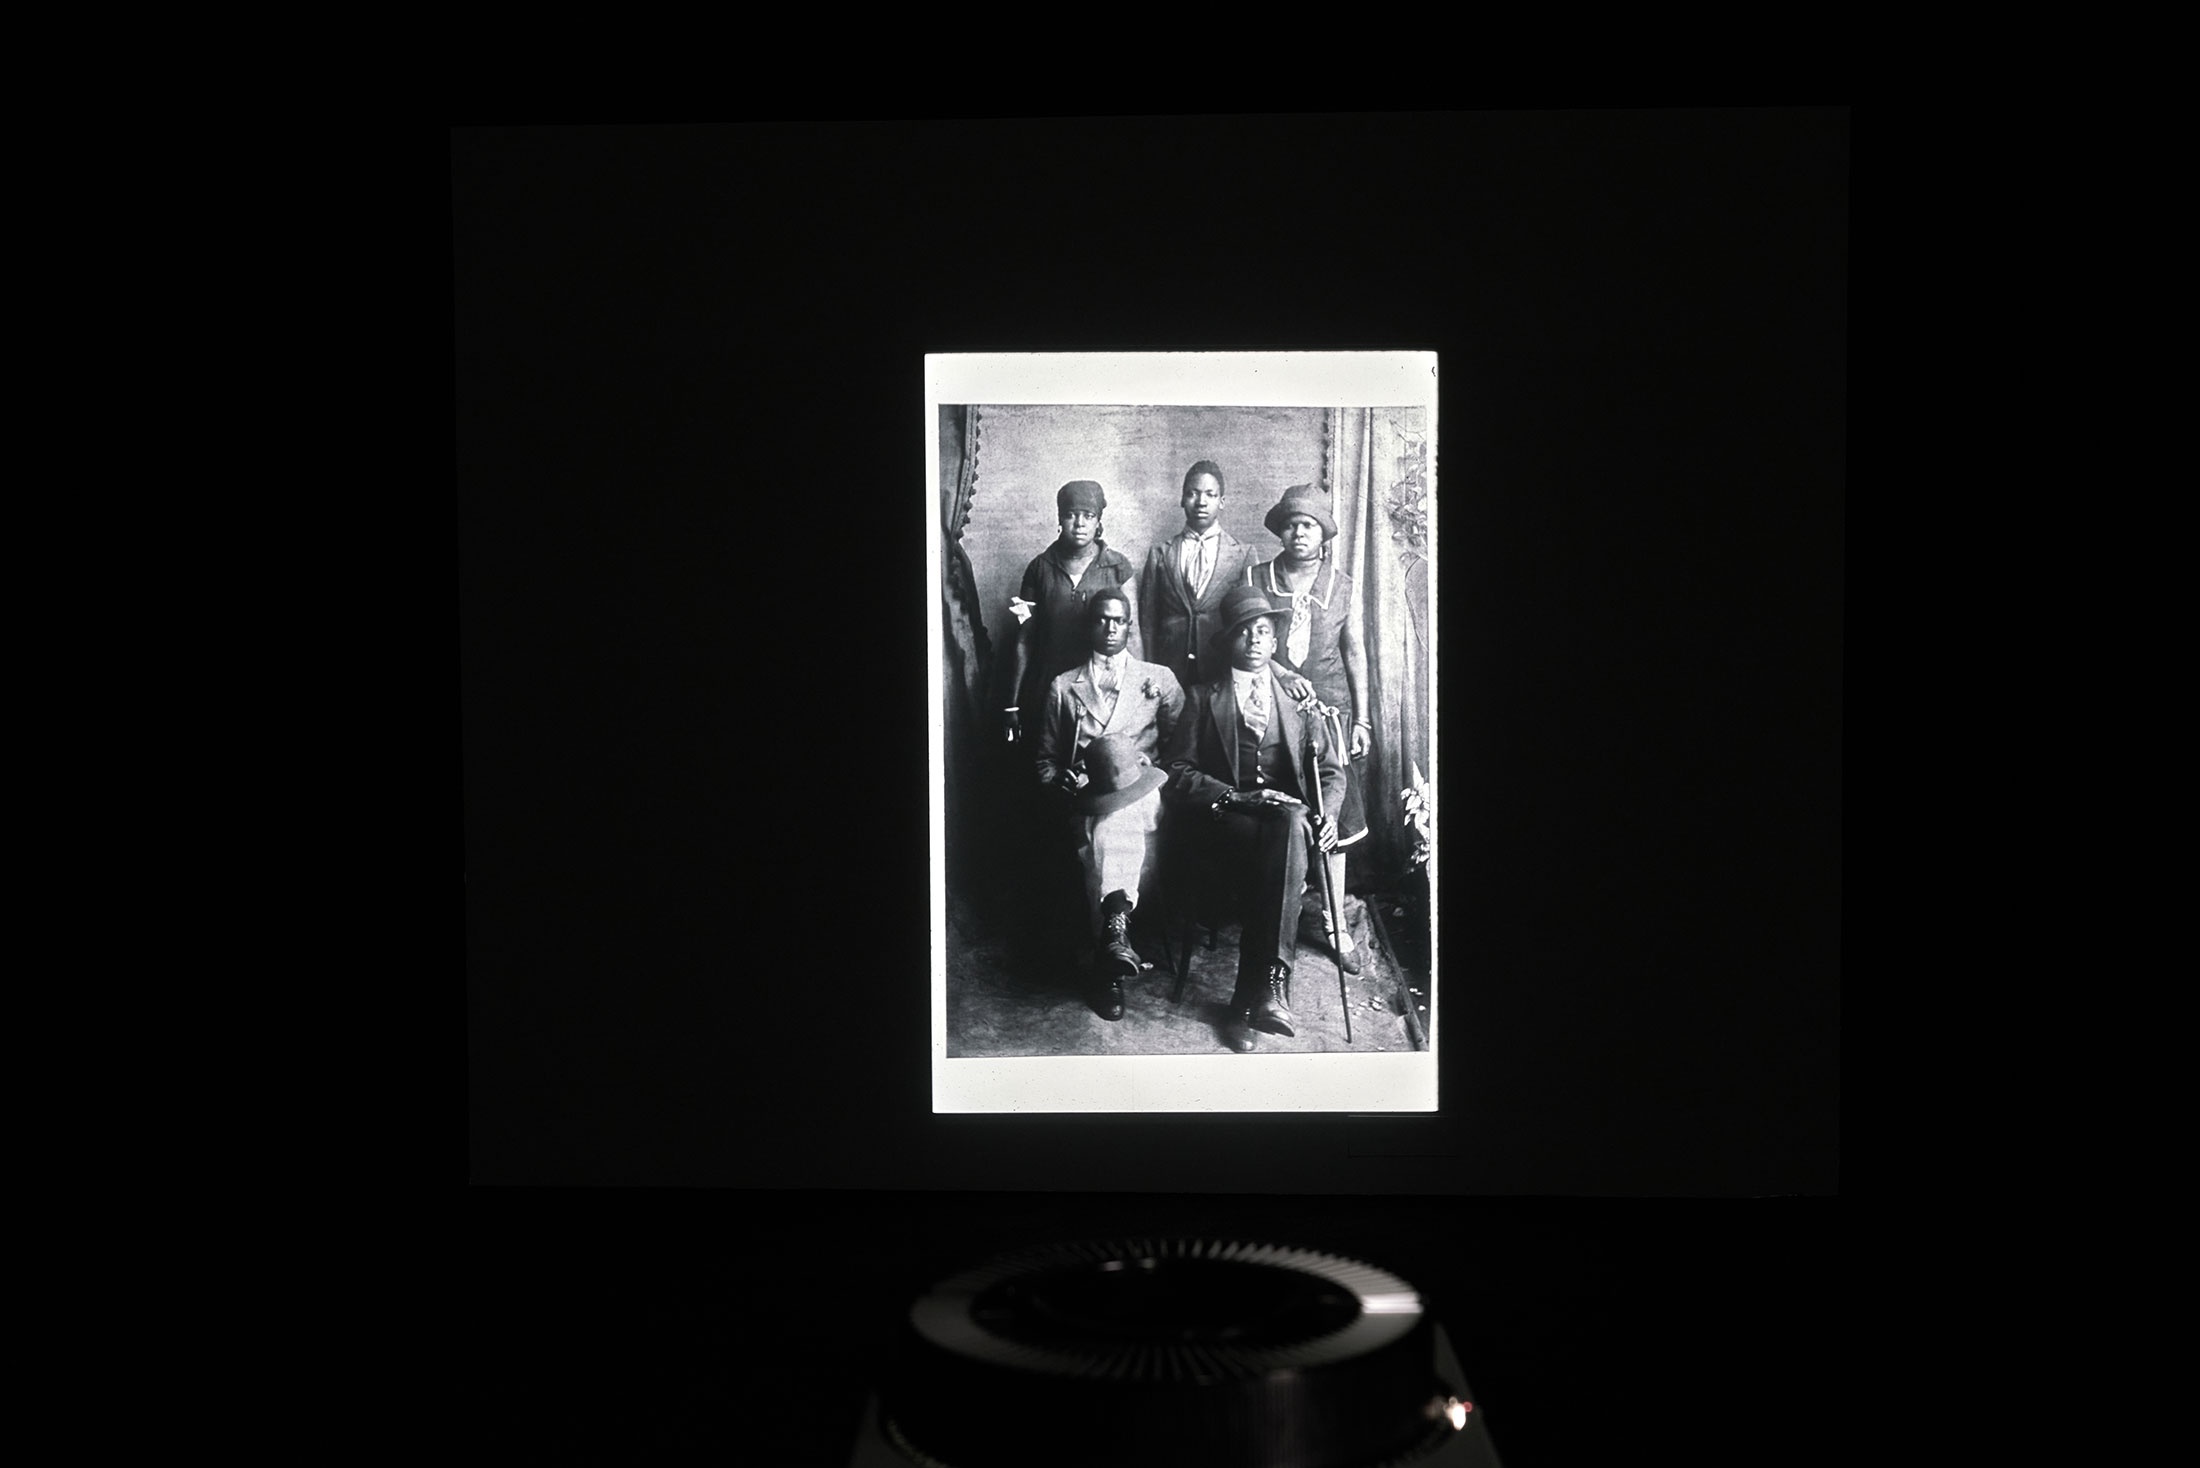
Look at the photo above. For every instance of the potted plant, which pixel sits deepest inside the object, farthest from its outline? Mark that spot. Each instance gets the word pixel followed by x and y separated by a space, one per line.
pixel 1409 927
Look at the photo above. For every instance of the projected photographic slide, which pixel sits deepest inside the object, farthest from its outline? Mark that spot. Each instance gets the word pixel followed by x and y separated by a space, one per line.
pixel 1183 731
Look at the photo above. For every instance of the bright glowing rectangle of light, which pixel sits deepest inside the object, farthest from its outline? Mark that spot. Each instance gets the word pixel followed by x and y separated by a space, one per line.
pixel 1395 1081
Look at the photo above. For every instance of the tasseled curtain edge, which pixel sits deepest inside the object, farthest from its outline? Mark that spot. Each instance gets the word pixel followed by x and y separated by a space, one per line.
pixel 970 652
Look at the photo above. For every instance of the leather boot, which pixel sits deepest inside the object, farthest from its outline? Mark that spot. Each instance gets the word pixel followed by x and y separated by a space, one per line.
pixel 1107 995
pixel 1273 1010
pixel 1116 948
pixel 1237 1030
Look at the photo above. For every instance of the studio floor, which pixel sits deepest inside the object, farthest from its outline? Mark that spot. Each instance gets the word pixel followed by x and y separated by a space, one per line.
pixel 1017 988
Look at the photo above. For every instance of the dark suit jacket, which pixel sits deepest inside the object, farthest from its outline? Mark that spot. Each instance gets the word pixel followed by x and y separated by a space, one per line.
pixel 1173 623
pixel 1202 755
pixel 1146 717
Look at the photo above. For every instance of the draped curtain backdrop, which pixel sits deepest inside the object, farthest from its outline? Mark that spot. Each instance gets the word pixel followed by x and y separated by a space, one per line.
pixel 967 651
pixel 1373 463
pixel 1379 479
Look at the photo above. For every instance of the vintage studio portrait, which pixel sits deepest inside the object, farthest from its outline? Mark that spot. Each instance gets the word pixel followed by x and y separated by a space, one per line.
pixel 1187 705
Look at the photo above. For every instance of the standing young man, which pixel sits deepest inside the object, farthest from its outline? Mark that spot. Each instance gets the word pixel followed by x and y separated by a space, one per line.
pixel 1181 587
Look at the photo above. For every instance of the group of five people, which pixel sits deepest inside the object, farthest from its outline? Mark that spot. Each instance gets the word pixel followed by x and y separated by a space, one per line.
pixel 1214 686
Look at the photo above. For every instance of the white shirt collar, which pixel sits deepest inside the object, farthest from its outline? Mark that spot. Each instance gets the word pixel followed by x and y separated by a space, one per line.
pixel 1114 665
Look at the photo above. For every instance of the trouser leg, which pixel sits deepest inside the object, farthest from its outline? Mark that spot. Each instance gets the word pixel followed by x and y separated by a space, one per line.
pixel 1269 848
pixel 1088 866
pixel 1111 855
pixel 1118 845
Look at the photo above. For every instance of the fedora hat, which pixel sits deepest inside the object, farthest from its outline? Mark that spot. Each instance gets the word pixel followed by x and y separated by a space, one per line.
pixel 1241 604
pixel 1117 773
pixel 1302 499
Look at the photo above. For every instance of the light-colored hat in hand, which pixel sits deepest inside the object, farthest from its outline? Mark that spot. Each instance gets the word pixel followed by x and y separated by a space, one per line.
pixel 1117 773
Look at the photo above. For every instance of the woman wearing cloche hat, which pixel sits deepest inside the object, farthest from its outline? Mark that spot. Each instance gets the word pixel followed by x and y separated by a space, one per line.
pixel 1320 641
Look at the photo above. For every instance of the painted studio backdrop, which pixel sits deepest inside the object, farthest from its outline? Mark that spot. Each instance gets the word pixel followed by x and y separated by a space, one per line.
pixel 1000 467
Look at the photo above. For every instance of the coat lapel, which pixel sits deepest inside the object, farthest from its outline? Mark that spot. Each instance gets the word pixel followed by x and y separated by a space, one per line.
pixel 1129 698
pixel 1294 737
pixel 1224 576
pixel 1084 690
pixel 1172 571
pixel 1223 710
pixel 1127 695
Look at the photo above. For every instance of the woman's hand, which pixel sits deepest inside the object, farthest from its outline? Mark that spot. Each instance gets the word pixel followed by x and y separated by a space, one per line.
pixel 1362 737
pixel 1295 687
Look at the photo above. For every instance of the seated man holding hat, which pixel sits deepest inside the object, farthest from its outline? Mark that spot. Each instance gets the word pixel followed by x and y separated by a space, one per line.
pixel 1238 784
pixel 1100 727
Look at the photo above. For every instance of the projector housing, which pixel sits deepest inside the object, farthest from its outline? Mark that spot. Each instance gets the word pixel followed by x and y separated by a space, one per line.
pixel 1158 1352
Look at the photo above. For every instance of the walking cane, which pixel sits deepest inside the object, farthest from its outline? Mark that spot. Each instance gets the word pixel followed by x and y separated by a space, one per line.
pixel 1317 729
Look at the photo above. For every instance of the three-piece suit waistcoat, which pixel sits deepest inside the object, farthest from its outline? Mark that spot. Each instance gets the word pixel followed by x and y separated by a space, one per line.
pixel 1268 762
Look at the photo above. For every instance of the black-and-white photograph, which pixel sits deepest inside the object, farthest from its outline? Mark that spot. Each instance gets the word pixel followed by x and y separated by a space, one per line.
pixel 1184 746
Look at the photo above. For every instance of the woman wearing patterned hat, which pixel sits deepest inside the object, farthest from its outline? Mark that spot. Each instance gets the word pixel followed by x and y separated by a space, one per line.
pixel 1321 643
pixel 1049 634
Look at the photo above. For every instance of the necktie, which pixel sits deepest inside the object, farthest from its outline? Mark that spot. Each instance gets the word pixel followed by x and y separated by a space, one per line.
pixel 1199 566
pixel 1302 626
pixel 1256 708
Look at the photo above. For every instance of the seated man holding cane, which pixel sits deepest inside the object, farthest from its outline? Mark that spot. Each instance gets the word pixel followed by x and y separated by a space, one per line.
pixel 1100 728
pixel 1237 780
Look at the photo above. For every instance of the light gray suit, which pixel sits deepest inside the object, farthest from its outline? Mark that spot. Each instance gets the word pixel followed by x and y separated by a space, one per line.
pixel 1111 848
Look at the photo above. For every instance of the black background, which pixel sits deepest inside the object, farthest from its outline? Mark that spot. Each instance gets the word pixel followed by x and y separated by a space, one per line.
pixel 689 446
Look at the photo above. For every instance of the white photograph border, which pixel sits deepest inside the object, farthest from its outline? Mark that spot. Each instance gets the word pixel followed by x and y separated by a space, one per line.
pixel 1357 1083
